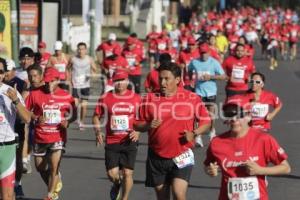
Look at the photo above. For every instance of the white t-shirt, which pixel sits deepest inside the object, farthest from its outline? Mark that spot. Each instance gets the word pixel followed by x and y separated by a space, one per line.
pixel 7 115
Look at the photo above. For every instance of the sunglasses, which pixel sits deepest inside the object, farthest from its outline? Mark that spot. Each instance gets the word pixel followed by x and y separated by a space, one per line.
pixel 233 115
pixel 256 82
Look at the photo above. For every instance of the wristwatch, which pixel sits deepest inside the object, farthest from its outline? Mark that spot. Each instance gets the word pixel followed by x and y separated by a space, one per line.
pixel 15 102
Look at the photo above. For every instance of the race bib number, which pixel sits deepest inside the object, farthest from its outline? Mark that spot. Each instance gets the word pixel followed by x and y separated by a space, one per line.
pixel 2 118
pixel 237 75
pixel 162 46
pixel 131 61
pixel 119 123
pixel 201 74
pixel 61 67
pixel 260 110
pixel 52 116
pixel 80 78
pixel 185 159
pixel 243 188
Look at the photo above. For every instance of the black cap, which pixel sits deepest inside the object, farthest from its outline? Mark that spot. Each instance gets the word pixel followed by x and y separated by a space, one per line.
pixel 231 110
pixel 4 63
pixel 26 52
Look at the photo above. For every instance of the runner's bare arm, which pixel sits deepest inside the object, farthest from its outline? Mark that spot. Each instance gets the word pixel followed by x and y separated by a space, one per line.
pixel 271 115
pixel 254 169
pixel 202 129
pixel 98 133
pixel 23 113
pixel 146 126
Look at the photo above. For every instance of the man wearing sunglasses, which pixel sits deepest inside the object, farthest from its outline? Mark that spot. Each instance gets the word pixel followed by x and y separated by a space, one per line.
pixel 243 155
pixel 11 105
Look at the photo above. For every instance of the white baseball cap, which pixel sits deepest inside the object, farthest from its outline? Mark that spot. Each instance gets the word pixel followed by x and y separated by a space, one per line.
pixel 10 64
pixel 58 46
pixel 112 36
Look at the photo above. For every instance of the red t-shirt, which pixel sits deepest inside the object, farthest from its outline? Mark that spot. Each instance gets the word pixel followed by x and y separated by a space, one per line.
pixel 161 44
pixel 151 38
pixel 230 153
pixel 54 107
pixel 178 113
pixel 133 57
pixel 112 65
pixel 294 33
pixel 108 48
pixel 238 71
pixel 120 113
pixel 185 57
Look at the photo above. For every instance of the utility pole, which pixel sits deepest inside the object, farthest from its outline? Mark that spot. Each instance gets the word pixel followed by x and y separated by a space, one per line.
pixel 92 14
pixel 14 30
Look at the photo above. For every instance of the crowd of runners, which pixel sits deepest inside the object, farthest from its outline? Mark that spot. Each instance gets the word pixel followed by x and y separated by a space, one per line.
pixel 46 92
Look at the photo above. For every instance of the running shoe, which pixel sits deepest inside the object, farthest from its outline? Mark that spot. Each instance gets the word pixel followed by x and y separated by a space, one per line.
pixel 27 167
pixel 19 192
pixel 199 141
pixel 212 133
pixel 53 196
pixel 115 192
pixel 59 184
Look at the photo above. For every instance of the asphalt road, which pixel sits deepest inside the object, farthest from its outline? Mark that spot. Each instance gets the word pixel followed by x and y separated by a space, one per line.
pixel 83 168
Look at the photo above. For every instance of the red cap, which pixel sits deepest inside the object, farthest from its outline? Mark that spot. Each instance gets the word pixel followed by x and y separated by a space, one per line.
pixel 191 41
pixel 204 48
pixel 119 75
pixel 130 40
pixel 42 44
pixel 51 73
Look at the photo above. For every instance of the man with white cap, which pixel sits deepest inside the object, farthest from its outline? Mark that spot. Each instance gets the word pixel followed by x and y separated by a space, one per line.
pixel 12 80
pixel 107 47
pixel 60 61
pixel 105 50
pixel 11 104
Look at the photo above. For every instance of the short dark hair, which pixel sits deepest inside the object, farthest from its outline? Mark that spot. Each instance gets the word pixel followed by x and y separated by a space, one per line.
pixel 4 63
pixel 172 67
pixel 164 58
pixel 239 45
pixel 81 44
pixel 36 67
pixel 26 51
pixel 134 35
pixel 262 76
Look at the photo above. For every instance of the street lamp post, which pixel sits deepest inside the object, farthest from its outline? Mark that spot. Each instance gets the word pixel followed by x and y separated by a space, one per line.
pixel 14 30
pixel 92 14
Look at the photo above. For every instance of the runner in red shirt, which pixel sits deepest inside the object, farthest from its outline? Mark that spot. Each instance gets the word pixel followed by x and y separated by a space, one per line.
pixel 54 109
pixel 119 109
pixel 134 57
pixel 60 61
pixel 107 47
pixel 294 37
pixel 284 42
pixel 265 105
pixel 170 118
pixel 243 155
pixel 152 48
pixel 45 55
pixel 238 69
pixel 110 65
pixel 185 57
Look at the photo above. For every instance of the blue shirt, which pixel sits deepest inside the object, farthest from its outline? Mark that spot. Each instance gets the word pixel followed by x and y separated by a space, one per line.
pixel 212 67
